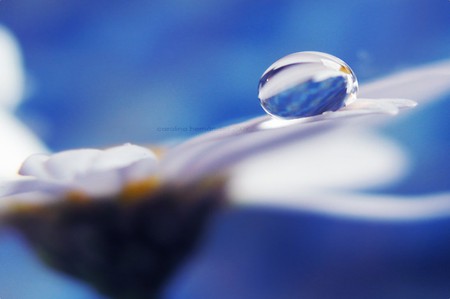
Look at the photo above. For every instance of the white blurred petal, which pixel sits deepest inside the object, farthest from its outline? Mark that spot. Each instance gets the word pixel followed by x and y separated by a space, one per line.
pixel 28 185
pixel 121 156
pixel 11 74
pixel 345 159
pixel 362 206
pixel 225 148
pixel 17 143
pixel 388 106
pixel 35 166
pixel 71 164
pixel 423 84
pixel 91 172
pixel 99 184
pixel 139 170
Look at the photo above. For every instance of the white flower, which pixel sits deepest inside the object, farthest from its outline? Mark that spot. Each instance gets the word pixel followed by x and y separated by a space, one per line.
pixel 92 172
pixel 316 163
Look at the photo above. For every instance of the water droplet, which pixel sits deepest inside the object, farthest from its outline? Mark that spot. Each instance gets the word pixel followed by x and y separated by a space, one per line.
pixel 305 84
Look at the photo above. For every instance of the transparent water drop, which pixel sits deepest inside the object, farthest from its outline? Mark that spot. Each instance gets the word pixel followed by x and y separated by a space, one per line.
pixel 305 84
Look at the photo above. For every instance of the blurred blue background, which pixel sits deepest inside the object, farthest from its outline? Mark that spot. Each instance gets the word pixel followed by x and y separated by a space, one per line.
pixel 108 72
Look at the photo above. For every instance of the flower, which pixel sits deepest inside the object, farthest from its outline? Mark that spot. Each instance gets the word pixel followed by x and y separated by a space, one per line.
pixel 128 241
pixel 89 172
pixel 234 149
pixel 314 165
pixel 97 173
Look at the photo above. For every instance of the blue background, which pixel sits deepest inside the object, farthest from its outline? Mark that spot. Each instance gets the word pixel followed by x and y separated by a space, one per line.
pixel 106 72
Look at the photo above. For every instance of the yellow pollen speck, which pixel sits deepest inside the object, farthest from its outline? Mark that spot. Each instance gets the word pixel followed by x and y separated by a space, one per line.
pixel 135 190
pixel 77 196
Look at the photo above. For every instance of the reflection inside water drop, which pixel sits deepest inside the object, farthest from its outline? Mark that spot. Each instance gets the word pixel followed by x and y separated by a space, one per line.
pixel 306 84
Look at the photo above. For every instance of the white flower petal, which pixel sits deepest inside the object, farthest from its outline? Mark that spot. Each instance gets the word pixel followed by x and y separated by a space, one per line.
pixel 68 165
pixel 139 170
pixel 17 143
pixel 100 184
pixel 115 167
pixel 388 106
pixel 35 166
pixel 11 74
pixel 92 172
pixel 121 156
pixel 215 151
pixel 30 185
pixel 363 206
pixel 422 84
pixel 347 158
